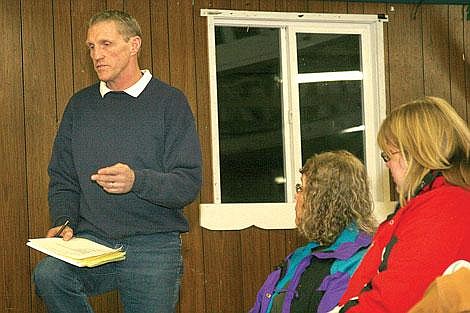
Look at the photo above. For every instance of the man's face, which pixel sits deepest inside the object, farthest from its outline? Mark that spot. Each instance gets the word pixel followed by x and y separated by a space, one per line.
pixel 110 53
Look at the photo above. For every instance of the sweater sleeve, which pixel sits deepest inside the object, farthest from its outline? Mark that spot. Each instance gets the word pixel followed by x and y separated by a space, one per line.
pixel 179 182
pixel 64 188
pixel 426 243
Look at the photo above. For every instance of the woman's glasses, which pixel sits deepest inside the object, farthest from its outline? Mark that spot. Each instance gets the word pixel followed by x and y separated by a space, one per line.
pixel 386 157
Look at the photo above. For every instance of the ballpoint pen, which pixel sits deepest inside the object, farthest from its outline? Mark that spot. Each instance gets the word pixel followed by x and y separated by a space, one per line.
pixel 62 228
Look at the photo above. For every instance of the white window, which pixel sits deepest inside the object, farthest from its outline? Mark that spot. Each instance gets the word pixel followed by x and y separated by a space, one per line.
pixel 284 86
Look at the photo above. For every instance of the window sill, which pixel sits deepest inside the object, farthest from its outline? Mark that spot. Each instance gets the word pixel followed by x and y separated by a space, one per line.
pixel 237 216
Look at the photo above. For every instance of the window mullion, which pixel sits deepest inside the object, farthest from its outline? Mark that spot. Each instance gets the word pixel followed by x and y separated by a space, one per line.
pixel 294 109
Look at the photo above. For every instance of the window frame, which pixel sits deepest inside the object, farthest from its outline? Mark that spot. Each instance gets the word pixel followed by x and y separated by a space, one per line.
pixel 234 216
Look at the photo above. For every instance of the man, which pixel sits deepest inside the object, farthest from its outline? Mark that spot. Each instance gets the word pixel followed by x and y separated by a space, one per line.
pixel 125 161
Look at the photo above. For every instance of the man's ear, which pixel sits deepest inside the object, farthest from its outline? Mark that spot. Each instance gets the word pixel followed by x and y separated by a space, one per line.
pixel 136 42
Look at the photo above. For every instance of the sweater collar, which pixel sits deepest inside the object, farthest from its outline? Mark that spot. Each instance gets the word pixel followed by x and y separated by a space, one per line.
pixel 134 90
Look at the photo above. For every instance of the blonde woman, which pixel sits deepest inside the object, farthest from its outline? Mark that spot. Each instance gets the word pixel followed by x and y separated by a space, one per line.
pixel 426 146
pixel 334 212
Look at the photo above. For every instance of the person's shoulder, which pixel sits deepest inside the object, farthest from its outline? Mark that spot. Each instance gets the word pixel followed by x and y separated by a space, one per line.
pixel 456 194
pixel 158 86
pixel 89 92
pixel 446 204
pixel 443 191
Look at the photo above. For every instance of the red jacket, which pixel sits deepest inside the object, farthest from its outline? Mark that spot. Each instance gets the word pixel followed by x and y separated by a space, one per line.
pixel 424 238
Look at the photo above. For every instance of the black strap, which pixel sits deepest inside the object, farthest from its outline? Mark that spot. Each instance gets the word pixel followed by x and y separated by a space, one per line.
pixel 427 180
pixel 349 305
pixel 388 249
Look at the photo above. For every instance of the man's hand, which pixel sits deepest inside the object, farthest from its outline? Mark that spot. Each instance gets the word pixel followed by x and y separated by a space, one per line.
pixel 66 234
pixel 118 178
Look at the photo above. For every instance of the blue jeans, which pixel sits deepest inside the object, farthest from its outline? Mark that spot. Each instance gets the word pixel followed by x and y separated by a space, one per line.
pixel 148 280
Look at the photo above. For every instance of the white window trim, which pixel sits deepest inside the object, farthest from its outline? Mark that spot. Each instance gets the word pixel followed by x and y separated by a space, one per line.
pixel 235 216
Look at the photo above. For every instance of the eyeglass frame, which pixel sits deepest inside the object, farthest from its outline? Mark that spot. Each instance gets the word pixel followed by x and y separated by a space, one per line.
pixel 387 157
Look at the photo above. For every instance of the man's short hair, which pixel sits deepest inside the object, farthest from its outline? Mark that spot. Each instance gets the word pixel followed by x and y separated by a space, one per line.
pixel 128 25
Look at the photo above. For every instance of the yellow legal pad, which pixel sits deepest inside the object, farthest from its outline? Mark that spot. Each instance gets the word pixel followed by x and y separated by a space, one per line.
pixel 80 252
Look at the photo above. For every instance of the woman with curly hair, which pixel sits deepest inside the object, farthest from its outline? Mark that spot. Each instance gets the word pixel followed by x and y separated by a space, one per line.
pixel 334 212
pixel 426 146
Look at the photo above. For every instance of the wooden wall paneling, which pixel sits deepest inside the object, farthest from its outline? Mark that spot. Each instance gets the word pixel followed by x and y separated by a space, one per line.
pixel 274 6
pixel 160 40
pixel 14 270
pixel 255 263
pixel 457 61
pixel 181 45
pixel 81 12
pixel 218 4
pixel 40 106
pixel 376 8
pixel 63 58
pixel 183 76
pixel 405 55
pixel 245 5
pixel 436 50
pixel 193 293
pixel 336 7
pixel 40 114
pixel 222 249
pixel 294 240
pixel 297 6
pixel 141 11
pixel 105 303
pixel 316 6
pixel 277 248
pixel 223 270
pixel 115 4
pixel 203 97
pixel 355 8
pixel 203 122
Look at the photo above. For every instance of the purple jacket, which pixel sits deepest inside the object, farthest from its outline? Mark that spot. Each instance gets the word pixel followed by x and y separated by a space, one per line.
pixel 348 255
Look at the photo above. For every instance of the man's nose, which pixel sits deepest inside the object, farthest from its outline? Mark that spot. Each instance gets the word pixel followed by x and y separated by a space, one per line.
pixel 96 53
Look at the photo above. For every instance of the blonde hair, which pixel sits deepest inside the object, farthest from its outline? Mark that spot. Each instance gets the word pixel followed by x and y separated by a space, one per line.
pixel 336 194
pixel 430 136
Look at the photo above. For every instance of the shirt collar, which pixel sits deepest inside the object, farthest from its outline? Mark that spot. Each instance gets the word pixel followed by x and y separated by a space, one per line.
pixel 134 90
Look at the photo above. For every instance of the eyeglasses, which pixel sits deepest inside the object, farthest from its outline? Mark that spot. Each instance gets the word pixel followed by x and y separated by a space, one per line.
pixel 298 188
pixel 386 157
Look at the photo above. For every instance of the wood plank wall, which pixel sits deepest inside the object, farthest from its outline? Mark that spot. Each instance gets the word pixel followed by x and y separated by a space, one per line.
pixel 44 60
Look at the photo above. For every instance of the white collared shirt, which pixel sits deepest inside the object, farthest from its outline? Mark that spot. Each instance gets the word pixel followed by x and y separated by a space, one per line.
pixel 134 90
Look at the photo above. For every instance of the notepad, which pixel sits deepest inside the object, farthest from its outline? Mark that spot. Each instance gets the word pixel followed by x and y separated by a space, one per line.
pixel 80 252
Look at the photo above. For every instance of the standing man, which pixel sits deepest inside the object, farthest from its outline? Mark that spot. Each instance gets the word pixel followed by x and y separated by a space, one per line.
pixel 125 161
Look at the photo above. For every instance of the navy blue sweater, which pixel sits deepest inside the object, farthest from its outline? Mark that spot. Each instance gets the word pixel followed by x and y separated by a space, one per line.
pixel 154 134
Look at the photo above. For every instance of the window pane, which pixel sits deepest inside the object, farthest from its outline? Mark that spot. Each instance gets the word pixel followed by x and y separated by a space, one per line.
pixel 317 53
pixel 250 115
pixel 330 111
pixel 331 117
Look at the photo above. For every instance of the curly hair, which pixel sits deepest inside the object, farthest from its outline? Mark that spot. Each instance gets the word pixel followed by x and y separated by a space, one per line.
pixel 430 136
pixel 336 193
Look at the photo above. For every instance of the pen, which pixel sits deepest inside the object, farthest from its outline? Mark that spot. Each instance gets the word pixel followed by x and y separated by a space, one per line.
pixel 62 228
